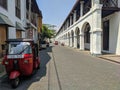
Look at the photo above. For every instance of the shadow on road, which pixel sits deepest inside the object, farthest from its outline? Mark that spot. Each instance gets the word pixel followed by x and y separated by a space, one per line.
pixel 27 81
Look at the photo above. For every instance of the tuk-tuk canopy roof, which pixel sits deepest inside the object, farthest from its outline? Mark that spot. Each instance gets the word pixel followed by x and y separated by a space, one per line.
pixel 20 40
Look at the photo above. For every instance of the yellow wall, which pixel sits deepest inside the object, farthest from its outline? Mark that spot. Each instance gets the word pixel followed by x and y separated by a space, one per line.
pixel 39 24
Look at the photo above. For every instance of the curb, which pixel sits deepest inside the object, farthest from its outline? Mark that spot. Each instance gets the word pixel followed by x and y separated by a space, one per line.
pixel 2 70
pixel 110 60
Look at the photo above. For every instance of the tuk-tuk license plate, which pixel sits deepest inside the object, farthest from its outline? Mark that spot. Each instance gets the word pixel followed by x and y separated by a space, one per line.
pixel 14 56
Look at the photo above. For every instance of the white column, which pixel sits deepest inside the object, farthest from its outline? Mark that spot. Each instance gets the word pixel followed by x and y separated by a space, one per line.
pixel 96 2
pixel 67 23
pixel 74 16
pixel 81 8
pixel 96 30
pixel 96 42
pixel 81 41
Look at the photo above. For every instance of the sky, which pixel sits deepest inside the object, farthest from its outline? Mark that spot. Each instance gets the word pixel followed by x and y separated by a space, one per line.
pixel 55 11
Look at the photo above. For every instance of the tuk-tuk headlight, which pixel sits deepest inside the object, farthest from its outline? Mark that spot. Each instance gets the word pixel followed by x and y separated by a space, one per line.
pixel 26 61
pixel 6 62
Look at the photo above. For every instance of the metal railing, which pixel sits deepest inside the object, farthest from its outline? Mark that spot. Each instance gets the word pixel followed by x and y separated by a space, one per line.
pixel 109 3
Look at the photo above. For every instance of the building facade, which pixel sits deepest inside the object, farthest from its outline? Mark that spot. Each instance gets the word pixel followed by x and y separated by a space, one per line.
pixel 92 25
pixel 33 19
pixel 17 19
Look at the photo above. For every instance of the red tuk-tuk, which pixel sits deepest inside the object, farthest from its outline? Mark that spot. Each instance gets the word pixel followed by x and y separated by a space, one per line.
pixel 56 43
pixel 21 59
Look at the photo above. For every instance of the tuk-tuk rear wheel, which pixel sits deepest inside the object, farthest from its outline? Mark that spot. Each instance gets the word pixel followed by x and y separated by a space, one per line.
pixel 15 82
pixel 38 66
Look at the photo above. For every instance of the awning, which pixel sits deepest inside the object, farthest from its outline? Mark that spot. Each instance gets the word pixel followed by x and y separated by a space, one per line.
pixel 19 26
pixel 4 20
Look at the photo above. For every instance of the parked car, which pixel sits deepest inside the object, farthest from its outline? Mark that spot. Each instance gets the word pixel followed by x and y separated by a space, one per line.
pixel 43 44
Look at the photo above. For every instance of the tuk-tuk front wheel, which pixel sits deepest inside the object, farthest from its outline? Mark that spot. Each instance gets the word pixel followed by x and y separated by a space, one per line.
pixel 15 82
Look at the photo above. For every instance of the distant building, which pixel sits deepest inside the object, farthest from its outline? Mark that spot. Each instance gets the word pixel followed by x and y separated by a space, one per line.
pixel 92 25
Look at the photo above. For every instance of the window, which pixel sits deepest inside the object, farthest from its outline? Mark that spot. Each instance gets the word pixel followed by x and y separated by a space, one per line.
pixel 17 8
pixel 3 3
pixel 109 3
pixel 19 48
pixel 87 36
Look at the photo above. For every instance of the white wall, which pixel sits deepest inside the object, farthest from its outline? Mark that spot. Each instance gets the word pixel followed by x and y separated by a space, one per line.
pixel 11 15
pixel 114 23
pixel 114 35
pixel 118 3
pixel 117 18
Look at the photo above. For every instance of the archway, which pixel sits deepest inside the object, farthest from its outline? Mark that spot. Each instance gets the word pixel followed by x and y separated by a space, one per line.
pixel 68 38
pixel 72 34
pixel 77 31
pixel 66 42
pixel 86 32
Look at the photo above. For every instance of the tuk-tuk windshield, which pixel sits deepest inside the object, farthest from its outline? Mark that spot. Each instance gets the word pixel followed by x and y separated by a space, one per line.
pixel 19 48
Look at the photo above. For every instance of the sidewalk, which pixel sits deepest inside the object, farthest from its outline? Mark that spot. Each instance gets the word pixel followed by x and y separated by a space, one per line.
pixel 111 57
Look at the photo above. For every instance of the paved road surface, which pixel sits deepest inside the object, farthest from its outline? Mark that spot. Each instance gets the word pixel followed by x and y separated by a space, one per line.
pixel 63 68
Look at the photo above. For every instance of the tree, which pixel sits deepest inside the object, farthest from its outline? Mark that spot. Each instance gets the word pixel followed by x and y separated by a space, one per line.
pixel 47 33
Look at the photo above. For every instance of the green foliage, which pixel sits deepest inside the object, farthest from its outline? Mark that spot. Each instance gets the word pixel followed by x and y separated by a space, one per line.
pixel 47 33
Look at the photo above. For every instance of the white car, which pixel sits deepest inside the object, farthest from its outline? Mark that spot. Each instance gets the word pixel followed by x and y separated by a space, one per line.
pixel 43 44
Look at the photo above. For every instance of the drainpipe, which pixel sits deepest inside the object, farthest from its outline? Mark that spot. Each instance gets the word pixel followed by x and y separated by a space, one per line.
pixel 29 18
